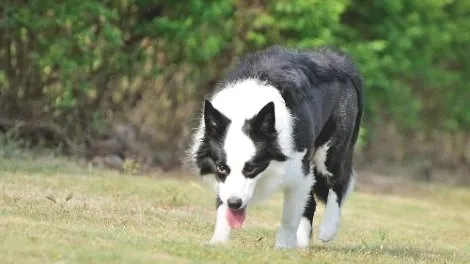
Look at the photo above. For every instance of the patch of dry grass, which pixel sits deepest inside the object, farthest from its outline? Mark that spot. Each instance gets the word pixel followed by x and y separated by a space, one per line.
pixel 54 211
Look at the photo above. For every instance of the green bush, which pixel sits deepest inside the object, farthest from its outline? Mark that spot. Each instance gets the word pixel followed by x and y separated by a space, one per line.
pixel 75 62
pixel 413 54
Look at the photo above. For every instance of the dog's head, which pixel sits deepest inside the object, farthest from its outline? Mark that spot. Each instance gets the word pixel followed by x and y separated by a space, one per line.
pixel 237 153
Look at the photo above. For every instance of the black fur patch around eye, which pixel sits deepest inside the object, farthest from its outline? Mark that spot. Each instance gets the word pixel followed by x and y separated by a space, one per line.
pixel 221 171
pixel 261 130
pixel 209 154
pixel 211 151
pixel 252 169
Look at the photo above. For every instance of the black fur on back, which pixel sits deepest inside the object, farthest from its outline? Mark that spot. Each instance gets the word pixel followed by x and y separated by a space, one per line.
pixel 309 81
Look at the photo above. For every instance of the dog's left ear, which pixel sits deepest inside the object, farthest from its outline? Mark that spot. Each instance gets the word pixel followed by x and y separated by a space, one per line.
pixel 215 122
pixel 264 122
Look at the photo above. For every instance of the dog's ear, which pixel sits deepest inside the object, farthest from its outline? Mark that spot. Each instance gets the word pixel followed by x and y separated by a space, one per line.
pixel 215 122
pixel 263 123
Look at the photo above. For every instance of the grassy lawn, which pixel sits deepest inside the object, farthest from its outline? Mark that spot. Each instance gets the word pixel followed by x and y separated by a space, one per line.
pixel 54 211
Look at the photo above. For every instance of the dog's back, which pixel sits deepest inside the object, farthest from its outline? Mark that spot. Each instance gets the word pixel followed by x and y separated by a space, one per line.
pixel 312 83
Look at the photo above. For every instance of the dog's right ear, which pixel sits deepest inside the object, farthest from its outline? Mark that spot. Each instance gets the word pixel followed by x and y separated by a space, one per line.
pixel 215 122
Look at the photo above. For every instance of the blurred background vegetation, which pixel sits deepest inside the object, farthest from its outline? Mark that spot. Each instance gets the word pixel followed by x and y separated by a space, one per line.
pixel 124 79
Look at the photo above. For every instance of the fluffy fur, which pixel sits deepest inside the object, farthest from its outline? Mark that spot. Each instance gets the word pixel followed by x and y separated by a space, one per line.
pixel 282 119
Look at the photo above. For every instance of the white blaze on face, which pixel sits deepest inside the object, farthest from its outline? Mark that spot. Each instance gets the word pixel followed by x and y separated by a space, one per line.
pixel 239 149
pixel 239 102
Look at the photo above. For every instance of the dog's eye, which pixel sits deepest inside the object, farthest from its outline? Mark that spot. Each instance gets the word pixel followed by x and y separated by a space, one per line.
pixel 221 169
pixel 249 169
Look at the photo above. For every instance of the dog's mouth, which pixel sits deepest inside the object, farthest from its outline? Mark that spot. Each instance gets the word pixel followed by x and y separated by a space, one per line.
pixel 236 218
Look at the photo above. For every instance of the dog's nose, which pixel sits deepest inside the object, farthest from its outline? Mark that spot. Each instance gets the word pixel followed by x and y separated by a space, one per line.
pixel 234 203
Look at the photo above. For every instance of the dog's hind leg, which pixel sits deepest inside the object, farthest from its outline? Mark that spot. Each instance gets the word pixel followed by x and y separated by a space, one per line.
pixel 333 161
pixel 331 217
pixel 337 194
pixel 222 229
pixel 304 231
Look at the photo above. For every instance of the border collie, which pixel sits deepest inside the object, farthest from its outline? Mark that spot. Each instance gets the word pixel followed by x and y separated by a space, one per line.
pixel 281 119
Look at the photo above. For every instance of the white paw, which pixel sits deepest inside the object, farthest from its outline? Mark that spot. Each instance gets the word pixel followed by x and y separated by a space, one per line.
pixel 303 233
pixel 331 218
pixel 217 241
pixel 327 233
pixel 286 238
pixel 329 226
pixel 303 242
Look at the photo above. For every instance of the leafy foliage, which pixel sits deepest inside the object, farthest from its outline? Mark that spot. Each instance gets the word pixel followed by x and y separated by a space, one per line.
pixel 82 64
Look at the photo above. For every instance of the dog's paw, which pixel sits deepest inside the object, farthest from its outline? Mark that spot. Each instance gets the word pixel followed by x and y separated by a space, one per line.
pixel 331 218
pixel 328 232
pixel 303 233
pixel 219 238
pixel 303 242
pixel 286 239
pixel 285 245
pixel 216 241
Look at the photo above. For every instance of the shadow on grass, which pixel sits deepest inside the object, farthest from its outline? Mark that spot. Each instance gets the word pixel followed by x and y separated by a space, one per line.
pixel 394 251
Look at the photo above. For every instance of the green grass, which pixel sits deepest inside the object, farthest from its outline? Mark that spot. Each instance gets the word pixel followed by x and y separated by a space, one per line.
pixel 105 217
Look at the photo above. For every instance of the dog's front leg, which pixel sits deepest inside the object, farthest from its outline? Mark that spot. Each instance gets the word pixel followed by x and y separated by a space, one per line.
pixel 222 229
pixel 294 204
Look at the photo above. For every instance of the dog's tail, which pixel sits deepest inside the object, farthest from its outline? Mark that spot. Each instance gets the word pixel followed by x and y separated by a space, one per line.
pixel 358 86
pixel 350 71
pixel 347 70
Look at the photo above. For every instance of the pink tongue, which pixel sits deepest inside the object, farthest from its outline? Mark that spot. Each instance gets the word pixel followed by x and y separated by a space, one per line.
pixel 235 218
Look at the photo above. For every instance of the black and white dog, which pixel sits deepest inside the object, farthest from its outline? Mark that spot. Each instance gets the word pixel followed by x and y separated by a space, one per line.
pixel 281 118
